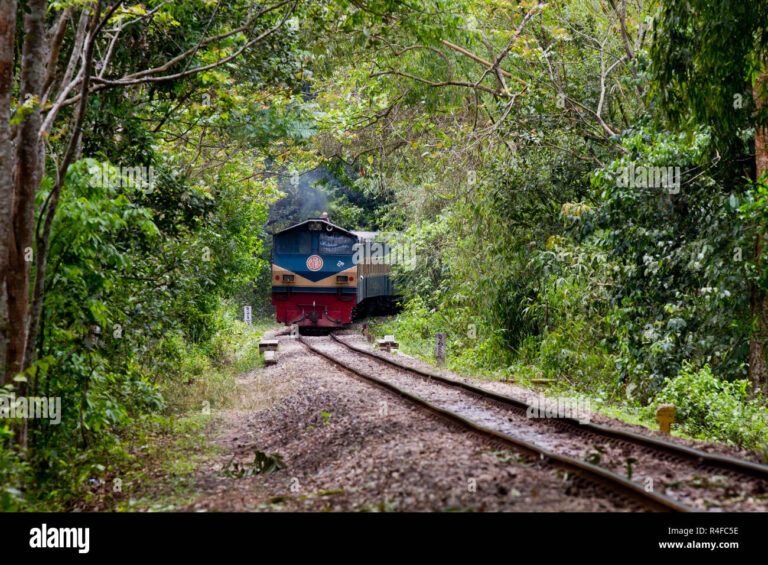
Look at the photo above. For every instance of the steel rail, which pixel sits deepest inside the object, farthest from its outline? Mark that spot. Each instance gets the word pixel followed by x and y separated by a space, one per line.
pixel 701 458
pixel 593 473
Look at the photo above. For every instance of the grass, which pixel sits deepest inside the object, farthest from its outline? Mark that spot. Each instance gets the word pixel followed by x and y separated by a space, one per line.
pixel 161 477
pixel 167 451
pixel 207 380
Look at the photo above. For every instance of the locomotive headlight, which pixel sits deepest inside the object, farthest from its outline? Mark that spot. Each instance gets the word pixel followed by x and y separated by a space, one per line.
pixel 342 279
pixel 287 278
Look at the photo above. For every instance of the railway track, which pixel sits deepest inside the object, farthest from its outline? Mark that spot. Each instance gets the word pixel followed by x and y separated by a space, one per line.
pixel 624 463
pixel 625 492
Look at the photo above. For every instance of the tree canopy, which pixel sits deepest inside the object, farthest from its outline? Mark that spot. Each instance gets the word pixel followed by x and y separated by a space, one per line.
pixel 582 181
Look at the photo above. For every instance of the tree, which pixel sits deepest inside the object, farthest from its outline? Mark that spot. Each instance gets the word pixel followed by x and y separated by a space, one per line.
pixel 63 66
pixel 7 56
pixel 73 56
pixel 710 59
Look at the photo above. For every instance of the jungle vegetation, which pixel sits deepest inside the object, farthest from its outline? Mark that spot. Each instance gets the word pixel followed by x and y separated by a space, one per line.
pixel 583 183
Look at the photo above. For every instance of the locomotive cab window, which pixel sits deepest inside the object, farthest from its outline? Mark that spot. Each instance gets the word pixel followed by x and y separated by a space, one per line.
pixel 296 242
pixel 336 244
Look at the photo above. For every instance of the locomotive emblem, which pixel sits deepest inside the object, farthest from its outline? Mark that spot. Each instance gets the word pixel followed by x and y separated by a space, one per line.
pixel 314 262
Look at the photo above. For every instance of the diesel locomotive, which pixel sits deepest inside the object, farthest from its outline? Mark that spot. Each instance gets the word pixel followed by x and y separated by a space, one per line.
pixel 323 275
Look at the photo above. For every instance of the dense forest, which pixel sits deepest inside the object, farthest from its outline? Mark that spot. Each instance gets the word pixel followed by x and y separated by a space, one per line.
pixel 583 184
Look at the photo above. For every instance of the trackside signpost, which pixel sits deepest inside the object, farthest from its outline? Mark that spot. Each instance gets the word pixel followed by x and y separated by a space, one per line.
pixel 440 348
pixel 247 315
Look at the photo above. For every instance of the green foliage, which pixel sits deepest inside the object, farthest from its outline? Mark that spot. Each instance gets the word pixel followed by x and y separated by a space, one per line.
pixel 530 254
pixel 708 407
pixel 705 56
pixel 677 269
pixel 14 471
pixel 570 354
pixel 415 328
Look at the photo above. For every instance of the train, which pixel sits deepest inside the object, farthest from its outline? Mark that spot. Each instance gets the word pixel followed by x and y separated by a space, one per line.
pixel 324 276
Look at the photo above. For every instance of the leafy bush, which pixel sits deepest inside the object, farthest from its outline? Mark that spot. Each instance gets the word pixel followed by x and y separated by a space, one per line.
pixel 708 407
pixel 414 328
pixel 195 374
pixel 570 354
pixel 13 472
pixel 676 264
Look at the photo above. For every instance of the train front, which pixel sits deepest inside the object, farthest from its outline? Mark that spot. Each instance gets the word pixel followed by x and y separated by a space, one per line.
pixel 314 281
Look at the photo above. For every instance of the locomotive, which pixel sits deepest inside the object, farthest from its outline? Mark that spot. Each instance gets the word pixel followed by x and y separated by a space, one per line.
pixel 322 277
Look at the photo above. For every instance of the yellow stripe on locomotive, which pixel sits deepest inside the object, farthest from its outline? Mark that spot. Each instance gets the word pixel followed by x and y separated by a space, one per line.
pixel 343 279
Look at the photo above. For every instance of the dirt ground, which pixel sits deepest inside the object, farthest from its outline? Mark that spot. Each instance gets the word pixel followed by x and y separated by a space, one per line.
pixel 331 442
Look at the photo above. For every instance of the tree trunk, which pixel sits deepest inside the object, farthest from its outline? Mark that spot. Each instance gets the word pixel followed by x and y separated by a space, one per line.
pixel 28 175
pixel 7 33
pixel 758 300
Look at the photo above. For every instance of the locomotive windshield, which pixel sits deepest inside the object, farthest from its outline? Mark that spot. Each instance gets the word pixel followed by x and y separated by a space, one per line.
pixel 336 244
pixel 294 242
